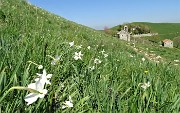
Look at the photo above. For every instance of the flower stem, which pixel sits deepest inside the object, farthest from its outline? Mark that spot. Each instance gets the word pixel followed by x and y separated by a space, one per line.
pixel 20 88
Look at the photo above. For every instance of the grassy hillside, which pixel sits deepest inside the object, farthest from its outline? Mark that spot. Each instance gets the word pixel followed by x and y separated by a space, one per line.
pixel 103 75
pixel 165 30
pixel 162 28
pixel 152 51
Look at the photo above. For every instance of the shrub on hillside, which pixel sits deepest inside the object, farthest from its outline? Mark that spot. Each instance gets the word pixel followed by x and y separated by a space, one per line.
pixel 120 27
pixel 140 29
pixel 176 41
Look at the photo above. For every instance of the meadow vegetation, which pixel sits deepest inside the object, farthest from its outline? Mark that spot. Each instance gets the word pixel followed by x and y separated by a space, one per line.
pixel 91 71
pixel 164 30
pixel 176 41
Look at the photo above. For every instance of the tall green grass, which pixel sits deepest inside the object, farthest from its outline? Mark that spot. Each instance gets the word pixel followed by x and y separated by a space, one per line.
pixel 32 34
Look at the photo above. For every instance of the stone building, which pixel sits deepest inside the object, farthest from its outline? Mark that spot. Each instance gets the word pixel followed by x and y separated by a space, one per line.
pixel 167 43
pixel 124 34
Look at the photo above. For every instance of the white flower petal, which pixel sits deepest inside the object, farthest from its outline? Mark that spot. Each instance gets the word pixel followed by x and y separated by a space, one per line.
pixel 57 57
pixel 38 74
pixel 40 85
pixel 49 76
pixel 44 92
pixel 40 67
pixel 76 58
pixel 71 43
pixel 144 86
pixel 70 99
pixel 31 98
pixel 32 86
pixel 48 82
pixel 63 106
pixel 36 79
pixel 89 47
pixel 69 104
pixel 148 84
pixel 44 72
pixel 53 62
pixel 105 55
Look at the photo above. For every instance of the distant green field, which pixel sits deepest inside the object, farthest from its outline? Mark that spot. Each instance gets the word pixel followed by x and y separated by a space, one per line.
pixel 91 71
pixel 165 30
pixel 162 28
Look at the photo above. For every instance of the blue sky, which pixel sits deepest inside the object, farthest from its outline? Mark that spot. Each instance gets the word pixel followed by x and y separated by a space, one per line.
pixel 100 13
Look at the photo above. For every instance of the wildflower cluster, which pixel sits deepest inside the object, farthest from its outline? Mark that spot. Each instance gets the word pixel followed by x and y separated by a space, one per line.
pixel 103 53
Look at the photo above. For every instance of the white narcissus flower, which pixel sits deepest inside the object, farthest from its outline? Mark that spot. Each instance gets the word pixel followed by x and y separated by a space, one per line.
pixel 32 97
pixel 71 44
pixel 43 77
pixel 92 68
pixel 78 55
pixel 38 86
pixel 79 47
pixel 131 56
pixel 40 67
pixel 145 85
pixel 55 60
pixel 102 51
pixel 97 61
pixel 143 59
pixel 68 103
pixel 89 47
pixel 105 55
pixel 176 60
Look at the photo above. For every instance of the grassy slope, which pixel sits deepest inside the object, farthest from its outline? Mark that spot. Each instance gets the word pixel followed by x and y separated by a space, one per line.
pixel 162 28
pixel 30 34
pixel 168 54
pixel 165 30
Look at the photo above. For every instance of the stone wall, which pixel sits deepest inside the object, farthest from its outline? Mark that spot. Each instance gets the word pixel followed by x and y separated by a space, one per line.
pixel 144 35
